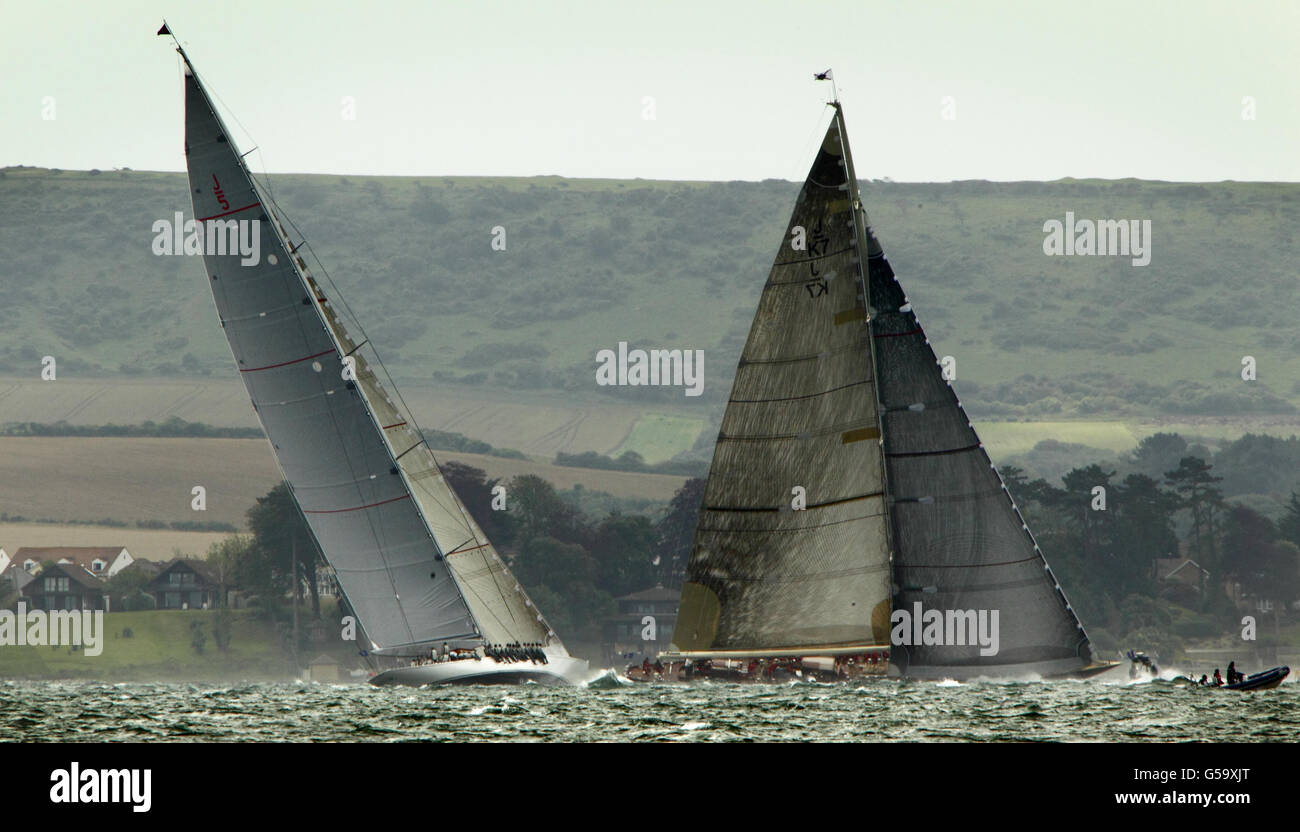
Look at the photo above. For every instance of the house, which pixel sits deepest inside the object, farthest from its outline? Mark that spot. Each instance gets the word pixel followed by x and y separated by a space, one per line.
pixel 1181 570
pixel 16 572
pixel 185 584
pixel 65 586
pixel 643 626
pixel 102 561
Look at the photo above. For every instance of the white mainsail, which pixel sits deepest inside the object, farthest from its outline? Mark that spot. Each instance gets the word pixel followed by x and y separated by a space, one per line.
pixel 410 560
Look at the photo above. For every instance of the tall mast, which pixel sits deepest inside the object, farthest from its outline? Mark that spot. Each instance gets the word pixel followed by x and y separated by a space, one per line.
pixel 865 246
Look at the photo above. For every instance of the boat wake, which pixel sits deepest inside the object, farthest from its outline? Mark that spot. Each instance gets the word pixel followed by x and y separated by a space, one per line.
pixel 608 679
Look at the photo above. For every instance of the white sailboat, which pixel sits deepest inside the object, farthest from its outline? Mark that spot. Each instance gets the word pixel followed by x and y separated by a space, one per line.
pixel 419 573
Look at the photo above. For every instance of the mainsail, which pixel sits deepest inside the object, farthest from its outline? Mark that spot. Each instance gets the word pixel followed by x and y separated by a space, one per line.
pixel 768 571
pixel 414 566
pixel 846 399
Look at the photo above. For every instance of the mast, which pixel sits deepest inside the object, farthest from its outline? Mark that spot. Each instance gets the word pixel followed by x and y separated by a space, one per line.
pixel 860 225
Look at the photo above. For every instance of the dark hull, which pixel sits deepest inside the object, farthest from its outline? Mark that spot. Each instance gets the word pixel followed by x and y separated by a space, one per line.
pixel 1270 678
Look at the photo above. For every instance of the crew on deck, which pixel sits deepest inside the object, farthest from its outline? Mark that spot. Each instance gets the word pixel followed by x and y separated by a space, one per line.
pixel 514 652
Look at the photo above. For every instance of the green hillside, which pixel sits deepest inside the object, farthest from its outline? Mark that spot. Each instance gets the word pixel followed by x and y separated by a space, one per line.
pixel 589 263
pixel 158 645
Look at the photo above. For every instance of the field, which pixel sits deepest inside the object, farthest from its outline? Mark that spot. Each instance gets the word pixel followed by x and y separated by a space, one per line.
pixel 539 423
pixel 130 479
pixel 660 436
pixel 150 544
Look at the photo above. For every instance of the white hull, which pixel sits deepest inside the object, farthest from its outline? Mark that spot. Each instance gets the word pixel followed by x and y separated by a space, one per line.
pixel 560 670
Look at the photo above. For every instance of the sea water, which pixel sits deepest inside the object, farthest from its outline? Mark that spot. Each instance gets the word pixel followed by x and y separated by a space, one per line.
pixel 611 709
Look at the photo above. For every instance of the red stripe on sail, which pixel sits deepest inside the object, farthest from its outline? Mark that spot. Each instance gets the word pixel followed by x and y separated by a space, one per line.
pixel 357 508
pixel 228 213
pixel 285 363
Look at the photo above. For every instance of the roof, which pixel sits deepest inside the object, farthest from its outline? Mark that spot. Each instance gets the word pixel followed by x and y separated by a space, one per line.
pixel 656 594
pixel 1183 562
pixel 324 659
pixel 83 556
pixel 77 573
pixel 200 567
pixel 149 567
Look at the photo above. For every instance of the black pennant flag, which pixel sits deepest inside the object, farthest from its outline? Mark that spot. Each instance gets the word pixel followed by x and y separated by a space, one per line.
pixel 164 30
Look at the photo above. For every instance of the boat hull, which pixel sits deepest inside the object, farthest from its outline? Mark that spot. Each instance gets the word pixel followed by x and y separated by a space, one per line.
pixel 1265 680
pixel 1057 669
pixel 560 670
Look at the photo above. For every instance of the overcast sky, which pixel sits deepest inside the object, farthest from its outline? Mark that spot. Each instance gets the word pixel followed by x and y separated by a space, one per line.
pixel 1039 90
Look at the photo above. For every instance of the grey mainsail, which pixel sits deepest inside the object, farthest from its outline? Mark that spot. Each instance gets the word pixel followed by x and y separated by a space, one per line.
pixel 411 562
pixel 802 415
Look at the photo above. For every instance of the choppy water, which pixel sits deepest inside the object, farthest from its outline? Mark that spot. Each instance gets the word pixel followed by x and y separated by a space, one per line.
pixel 607 710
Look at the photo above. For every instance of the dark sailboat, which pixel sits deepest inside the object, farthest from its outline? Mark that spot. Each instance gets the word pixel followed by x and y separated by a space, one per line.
pixel 907 543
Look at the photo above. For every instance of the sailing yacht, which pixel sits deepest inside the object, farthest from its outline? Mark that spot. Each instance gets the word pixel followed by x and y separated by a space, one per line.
pixel 851 514
pixel 417 571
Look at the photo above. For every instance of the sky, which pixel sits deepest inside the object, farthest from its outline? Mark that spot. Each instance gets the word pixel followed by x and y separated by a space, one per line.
pixel 932 91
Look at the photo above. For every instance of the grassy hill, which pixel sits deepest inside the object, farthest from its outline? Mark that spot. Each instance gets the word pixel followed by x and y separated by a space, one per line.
pixel 591 262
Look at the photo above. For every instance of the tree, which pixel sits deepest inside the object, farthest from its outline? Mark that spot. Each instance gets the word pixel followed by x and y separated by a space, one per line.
pixel 280 533
pixel 536 510
pixel 676 531
pixel 1194 485
pixel 1255 556
pixel 1094 525
pixel 225 557
pixel 1289 525
pixel 1143 531
pixel 126 590
pixel 475 491
pixel 1158 453
pixel 624 548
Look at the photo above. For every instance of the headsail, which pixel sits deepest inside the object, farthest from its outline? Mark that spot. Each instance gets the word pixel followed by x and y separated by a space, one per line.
pixel 413 565
pixel 802 420
pixel 960 542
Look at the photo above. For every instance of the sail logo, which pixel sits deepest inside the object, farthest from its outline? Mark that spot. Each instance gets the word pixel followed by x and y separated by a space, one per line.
pixel 220 194
pixel 180 236
pixel 655 368
pixel 56 628
pixel 110 785
pixel 1100 238
pixel 945 628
